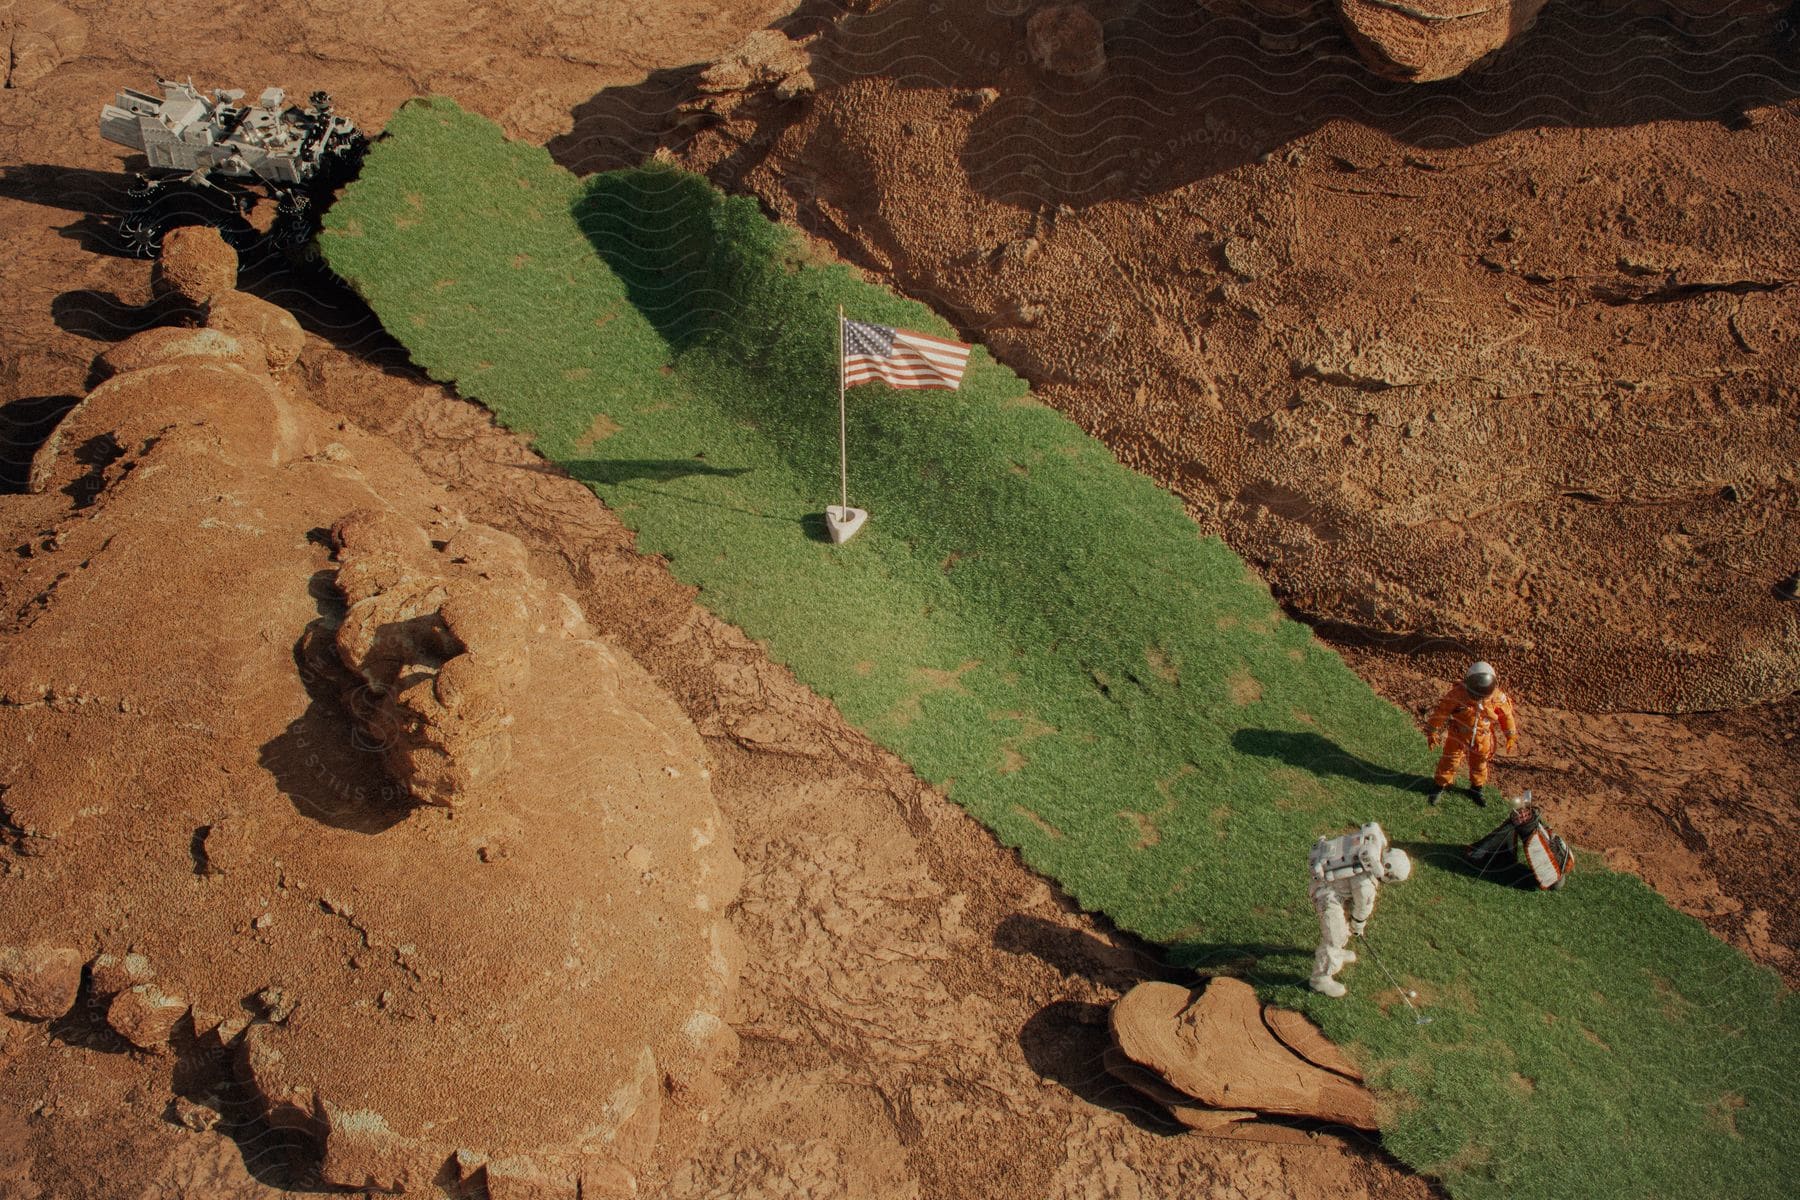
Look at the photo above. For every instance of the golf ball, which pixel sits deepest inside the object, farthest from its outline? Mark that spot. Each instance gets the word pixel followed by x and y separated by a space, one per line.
pixel 1412 995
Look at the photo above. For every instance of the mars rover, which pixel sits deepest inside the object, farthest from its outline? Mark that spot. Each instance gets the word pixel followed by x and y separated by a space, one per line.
pixel 209 159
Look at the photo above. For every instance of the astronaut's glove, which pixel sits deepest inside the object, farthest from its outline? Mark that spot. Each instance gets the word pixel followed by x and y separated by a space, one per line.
pixel 1357 927
pixel 1431 739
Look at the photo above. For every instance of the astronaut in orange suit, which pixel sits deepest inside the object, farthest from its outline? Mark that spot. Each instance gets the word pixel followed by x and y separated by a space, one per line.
pixel 1469 719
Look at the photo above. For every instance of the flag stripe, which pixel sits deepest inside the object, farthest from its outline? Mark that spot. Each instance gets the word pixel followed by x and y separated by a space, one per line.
pixel 938 357
pixel 903 370
pixel 901 357
pixel 912 335
pixel 905 359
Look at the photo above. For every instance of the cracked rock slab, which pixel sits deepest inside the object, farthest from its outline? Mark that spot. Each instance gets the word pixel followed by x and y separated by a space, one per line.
pixel 1213 1045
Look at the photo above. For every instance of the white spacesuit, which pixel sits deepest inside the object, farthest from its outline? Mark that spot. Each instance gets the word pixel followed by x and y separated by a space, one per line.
pixel 1346 871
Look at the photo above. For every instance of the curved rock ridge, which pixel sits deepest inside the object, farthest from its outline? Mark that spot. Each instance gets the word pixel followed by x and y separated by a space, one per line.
pixel 1216 1059
pixel 357 804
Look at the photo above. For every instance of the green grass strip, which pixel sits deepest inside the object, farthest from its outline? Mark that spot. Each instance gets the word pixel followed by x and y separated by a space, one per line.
pixel 1045 635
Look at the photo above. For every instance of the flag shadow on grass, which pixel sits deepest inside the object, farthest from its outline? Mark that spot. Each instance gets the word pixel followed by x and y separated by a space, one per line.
pixel 616 471
pixel 636 473
pixel 1319 754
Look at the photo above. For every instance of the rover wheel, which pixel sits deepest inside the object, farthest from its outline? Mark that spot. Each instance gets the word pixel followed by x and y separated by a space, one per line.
pixel 142 231
pixel 139 239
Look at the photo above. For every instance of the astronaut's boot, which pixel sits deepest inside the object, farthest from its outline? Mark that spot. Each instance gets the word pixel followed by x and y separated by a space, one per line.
pixel 1475 795
pixel 1434 795
pixel 1327 986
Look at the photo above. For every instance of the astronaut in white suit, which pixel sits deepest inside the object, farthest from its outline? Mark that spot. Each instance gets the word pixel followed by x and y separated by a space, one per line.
pixel 1346 872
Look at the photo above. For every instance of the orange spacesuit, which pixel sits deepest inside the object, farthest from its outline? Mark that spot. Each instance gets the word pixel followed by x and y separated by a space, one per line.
pixel 1468 718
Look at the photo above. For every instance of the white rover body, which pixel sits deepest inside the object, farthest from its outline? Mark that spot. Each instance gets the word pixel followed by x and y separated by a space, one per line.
pixel 183 130
pixel 211 156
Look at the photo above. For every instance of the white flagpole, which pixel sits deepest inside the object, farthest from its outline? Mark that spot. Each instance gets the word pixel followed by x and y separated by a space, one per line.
pixel 843 438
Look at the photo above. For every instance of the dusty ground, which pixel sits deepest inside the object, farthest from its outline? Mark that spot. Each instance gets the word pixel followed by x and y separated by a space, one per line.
pixel 919 1015
pixel 1500 367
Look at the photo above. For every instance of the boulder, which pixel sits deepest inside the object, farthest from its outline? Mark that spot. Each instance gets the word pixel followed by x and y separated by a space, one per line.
pixel 362 1153
pixel 1420 41
pixel 39 982
pixel 228 844
pixel 145 1016
pixel 110 974
pixel 368 530
pixel 454 952
pixel 1214 1046
pixel 196 265
pixel 767 58
pixel 38 37
pixel 196 1116
pixel 252 318
pixel 168 344
pixel 1066 40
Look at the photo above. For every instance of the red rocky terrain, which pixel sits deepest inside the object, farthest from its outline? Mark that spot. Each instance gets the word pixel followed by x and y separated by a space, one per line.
pixel 317 869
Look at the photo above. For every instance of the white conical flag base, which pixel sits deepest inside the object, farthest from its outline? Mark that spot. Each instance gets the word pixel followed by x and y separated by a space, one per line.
pixel 843 522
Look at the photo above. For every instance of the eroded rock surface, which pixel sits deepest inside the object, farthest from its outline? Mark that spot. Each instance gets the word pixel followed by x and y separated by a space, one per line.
pixel 195 265
pixel 1421 41
pixel 38 982
pixel 1213 1049
pixel 1066 40
pixel 36 38
pixel 384 973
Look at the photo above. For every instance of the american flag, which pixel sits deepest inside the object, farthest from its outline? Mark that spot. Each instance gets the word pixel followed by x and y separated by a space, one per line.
pixel 901 357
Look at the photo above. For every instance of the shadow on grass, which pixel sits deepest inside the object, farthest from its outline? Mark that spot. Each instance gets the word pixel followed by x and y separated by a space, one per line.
pixel 1319 754
pixel 631 475
pixel 655 232
pixel 614 472
pixel 1260 964
pixel 1503 869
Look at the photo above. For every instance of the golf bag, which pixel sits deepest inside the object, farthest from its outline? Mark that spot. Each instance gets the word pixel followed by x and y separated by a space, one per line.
pixel 1548 856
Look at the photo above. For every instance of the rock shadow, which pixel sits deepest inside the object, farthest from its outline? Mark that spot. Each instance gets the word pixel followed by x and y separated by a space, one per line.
pixel 105 316
pixel 1065 1042
pixel 330 770
pixel 99 198
pixel 655 231
pixel 328 308
pixel 96 454
pixel 25 425
pixel 1261 964
pixel 1188 95
pixel 1320 755
pixel 622 126
pixel 1118 964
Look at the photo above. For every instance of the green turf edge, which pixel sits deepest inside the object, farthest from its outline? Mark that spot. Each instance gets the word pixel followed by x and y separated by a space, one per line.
pixel 1163 793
